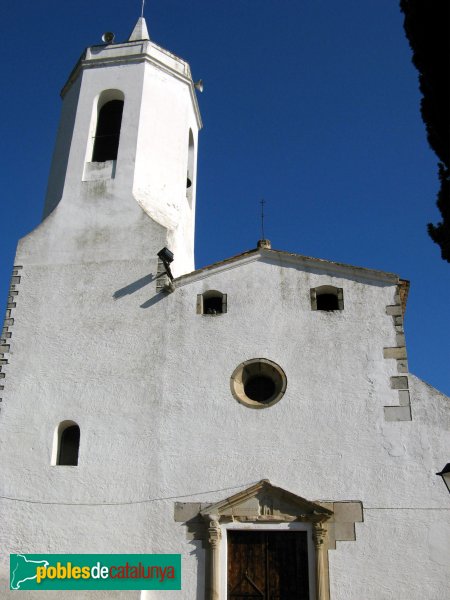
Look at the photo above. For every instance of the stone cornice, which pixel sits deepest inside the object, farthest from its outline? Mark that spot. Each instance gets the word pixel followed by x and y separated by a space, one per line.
pixel 280 257
pixel 134 53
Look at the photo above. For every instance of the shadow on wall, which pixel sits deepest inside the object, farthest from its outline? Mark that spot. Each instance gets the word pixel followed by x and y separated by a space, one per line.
pixel 133 287
pixel 137 285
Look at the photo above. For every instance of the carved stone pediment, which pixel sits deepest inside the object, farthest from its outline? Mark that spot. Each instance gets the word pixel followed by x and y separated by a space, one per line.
pixel 266 502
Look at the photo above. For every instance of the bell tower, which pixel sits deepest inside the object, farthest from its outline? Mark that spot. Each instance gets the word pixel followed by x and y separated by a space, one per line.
pixel 128 138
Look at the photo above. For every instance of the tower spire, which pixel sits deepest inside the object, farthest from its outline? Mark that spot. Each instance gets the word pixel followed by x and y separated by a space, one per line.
pixel 140 31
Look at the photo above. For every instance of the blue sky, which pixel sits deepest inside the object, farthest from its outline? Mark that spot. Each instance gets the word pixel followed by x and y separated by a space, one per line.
pixel 311 104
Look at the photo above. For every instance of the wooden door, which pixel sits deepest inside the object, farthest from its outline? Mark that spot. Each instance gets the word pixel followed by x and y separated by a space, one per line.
pixel 267 565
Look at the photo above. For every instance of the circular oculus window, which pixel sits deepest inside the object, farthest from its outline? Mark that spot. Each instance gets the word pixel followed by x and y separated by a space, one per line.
pixel 258 383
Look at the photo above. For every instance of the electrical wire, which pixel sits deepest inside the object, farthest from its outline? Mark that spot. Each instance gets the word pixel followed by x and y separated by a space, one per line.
pixel 129 502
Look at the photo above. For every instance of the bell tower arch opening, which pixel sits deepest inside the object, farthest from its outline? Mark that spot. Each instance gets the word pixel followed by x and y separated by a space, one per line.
pixel 190 168
pixel 107 134
pixel 106 123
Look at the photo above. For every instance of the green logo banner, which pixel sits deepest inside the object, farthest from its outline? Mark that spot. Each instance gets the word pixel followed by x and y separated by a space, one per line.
pixel 95 571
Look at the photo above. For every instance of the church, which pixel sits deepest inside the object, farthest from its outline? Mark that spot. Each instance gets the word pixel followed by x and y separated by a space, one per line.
pixel 256 416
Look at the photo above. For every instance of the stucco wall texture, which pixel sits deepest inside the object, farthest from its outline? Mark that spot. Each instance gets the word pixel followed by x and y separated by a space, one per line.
pixel 147 380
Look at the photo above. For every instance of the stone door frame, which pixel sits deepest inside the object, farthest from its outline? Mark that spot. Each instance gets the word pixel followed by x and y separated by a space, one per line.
pixel 239 526
pixel 264 505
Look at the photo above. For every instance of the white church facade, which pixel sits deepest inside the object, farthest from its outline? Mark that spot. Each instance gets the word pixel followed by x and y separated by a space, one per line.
pixel 256 416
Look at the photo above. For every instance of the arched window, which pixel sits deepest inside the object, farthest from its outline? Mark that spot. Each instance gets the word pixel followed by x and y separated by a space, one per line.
pixel 107 133
pixel 211 302
pixel 67 444
pixel 327 298
pixel 327 302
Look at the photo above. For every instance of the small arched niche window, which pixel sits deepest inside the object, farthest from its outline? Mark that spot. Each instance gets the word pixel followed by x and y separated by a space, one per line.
pixel 190 167
pixel 109 121
pixel 327 298
pixel 66 444
pixel 211 302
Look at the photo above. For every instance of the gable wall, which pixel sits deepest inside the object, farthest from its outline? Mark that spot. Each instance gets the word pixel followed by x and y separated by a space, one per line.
pixel 148 381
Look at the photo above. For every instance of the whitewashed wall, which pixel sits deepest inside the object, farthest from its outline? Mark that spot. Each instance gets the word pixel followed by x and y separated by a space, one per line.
pixel 148 381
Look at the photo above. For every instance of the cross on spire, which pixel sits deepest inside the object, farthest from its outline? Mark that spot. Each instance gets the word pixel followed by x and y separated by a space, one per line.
pixel 262 202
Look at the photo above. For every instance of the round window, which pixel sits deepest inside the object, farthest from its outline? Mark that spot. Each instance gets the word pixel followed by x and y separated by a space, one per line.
pixel 258 383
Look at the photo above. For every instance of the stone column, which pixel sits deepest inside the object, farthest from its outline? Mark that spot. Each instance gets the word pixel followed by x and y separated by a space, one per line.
pixel 214 536
pixel 322 584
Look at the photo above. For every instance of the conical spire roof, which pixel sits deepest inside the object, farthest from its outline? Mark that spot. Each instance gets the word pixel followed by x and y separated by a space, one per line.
pixel 140 31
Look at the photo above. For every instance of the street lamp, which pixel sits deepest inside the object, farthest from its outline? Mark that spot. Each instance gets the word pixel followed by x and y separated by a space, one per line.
pixel 445 474
pixel 166 257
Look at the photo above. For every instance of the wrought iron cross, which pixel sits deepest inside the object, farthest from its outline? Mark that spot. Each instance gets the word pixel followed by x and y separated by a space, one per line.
pixel 262 202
